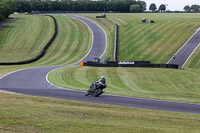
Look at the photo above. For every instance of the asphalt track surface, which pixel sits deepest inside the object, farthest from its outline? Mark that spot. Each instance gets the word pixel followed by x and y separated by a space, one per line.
pixel 33 82
pixel 185 52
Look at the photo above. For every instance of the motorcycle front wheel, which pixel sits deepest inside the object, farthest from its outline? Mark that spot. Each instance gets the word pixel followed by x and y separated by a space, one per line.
pixel 87 94
pixel 98 92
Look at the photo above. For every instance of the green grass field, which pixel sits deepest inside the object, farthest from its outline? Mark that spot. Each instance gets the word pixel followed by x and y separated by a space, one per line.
pixel 165 84
pixel 155 42
pixel 194 61
pixel 71 45
pixel 25 38
pixel 22 114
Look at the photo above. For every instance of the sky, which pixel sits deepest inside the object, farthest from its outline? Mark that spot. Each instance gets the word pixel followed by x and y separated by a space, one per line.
pixel 173 5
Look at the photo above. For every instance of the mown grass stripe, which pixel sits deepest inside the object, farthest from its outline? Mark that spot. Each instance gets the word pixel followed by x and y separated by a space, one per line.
pixel 56 50
pixel 41 35
pixel 72 44
pixel 165 24
pixel 138 41
pixel 162 84
pixel 147 51
pixel 21 47
pixel 64 42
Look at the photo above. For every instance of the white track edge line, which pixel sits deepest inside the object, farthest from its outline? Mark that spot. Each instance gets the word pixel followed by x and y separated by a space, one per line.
pixel 91 43
pixel 191 55
pixel 15 72
pixel 9 92
pixel 101 29
pixel 184 44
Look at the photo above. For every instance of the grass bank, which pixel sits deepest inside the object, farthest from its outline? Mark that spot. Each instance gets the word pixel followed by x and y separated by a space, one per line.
pixel 22 114
pixel 194 61
pixel 25 38
pixel 72 43
pixel 165 84
pixel 155 42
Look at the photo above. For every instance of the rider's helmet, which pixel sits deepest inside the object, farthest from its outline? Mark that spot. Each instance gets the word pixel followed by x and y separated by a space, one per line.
pixel 102 77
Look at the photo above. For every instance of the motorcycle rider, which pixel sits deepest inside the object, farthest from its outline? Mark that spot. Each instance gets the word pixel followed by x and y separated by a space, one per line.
pixel 101 82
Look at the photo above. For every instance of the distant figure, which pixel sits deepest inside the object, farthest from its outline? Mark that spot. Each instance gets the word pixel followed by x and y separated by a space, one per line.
pixel 152 21
pixel 196 36
pixel 144 20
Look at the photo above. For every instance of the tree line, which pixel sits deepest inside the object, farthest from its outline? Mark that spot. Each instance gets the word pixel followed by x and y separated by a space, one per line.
pixel 192 8
pixel 6 8
pixel 9 6
pixel 162 8
pixel 153 8
pixel 79 5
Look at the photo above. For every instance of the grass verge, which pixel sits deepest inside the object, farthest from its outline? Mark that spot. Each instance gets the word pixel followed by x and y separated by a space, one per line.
pixel 164 84
pixel 35 114
pixel 194 61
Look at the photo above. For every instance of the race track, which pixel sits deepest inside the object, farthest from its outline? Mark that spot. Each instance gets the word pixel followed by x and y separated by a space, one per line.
pixel 33 82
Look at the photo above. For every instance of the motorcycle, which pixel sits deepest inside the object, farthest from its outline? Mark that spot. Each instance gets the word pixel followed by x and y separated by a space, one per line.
pixel 96 89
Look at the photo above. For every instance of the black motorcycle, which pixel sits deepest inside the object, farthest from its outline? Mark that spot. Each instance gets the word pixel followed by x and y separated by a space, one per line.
pixel 96 89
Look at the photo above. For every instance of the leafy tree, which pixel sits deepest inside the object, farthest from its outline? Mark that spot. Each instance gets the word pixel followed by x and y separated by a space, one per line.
pixel 153 7
pixel 195 8
pixel 2 9
pixel 187 8
pixel 23 6
pixel 135 8
pixel 143 5
pixel 162 8
pixel 6 8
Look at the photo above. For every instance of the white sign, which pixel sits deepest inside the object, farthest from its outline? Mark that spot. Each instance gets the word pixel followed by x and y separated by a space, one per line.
pixel 126 62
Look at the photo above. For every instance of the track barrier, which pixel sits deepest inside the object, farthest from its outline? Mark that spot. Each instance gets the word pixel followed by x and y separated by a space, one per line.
pixel 129 64
pixel 116 42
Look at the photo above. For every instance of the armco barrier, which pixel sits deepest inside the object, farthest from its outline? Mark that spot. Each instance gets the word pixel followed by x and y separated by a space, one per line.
pixel 136 64
pixel 116 43
pixel 42 53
